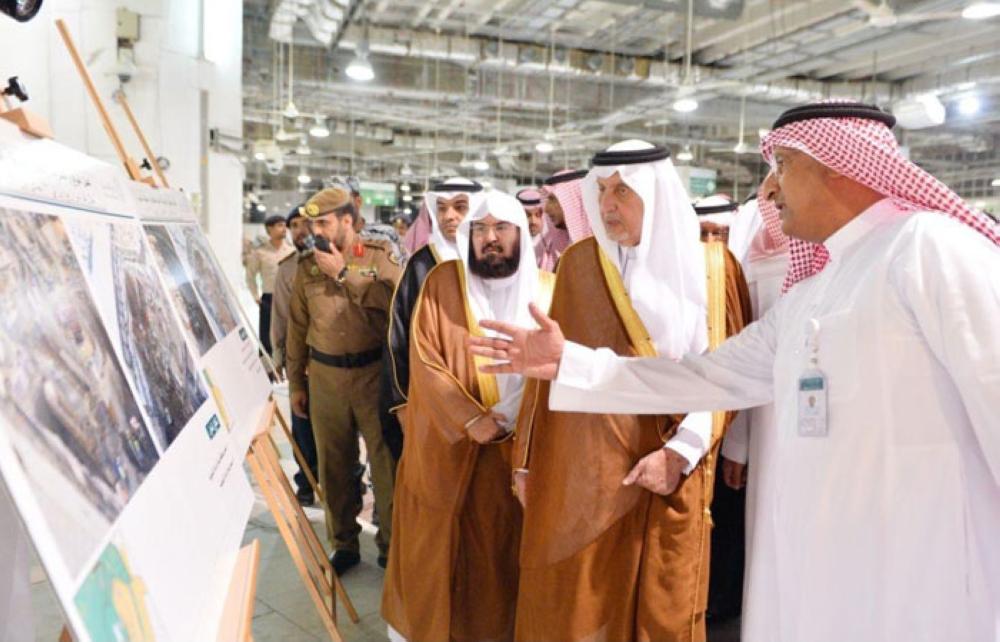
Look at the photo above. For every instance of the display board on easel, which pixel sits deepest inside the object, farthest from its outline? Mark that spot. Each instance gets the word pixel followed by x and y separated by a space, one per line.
pixel 116 444
pixel 130 394
pixel 112 444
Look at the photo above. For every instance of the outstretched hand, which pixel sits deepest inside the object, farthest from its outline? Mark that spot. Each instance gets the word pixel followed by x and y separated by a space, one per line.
pixel 533 353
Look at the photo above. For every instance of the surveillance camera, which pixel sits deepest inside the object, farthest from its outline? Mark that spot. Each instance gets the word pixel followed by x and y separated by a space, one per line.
pixel 126 69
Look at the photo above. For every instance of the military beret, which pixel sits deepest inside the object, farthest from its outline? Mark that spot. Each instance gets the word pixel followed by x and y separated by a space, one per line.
pixel 326 201
pixel 295 213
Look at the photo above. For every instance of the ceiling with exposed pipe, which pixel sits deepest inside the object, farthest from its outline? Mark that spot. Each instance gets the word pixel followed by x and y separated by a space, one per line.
pixel 459 81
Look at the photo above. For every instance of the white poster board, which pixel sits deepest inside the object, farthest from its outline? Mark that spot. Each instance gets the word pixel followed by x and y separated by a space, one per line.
pixel 118 443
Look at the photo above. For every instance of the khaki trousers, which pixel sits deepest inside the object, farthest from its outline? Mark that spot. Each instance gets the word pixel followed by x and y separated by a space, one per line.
pixel 342 402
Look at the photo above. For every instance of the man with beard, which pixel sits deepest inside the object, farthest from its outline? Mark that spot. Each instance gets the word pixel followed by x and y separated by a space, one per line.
pixel 453 568
pixel 608 553
pixel 567 218
pixel 302 431
pixel 337 322
pixel 447 205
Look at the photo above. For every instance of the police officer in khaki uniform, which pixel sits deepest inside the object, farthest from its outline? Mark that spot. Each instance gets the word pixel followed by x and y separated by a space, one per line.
pixel 337 325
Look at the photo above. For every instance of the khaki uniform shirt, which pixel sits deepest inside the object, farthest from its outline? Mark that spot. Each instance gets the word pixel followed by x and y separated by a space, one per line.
pixel 264 260
pixel 282 297
pixel 340 318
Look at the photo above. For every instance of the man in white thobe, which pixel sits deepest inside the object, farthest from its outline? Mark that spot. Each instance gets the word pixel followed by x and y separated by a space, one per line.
pixel 887 513
pixel 749 447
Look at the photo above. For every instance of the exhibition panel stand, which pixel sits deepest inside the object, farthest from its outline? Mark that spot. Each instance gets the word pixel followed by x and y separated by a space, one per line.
pixel 130 395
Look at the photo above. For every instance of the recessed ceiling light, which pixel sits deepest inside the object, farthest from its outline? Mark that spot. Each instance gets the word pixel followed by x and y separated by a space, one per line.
pixel 685 105
pixel 969 106
pixel 981 10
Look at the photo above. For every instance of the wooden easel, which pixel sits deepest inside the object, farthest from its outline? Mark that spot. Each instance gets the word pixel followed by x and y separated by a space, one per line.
pixel 131 167
pixel 307 552
pixel 150 156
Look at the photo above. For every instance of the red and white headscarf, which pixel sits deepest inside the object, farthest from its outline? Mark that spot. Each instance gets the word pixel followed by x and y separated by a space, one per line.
pixel 865 150
pixel 570 199
pixel 419 232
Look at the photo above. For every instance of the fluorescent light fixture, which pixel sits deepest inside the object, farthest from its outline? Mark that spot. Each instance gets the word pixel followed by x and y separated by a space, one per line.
pixel 319 130
pixel 969 106
pixel 305 179
pixel 407 211
pixel 685 105
pixel 979 205
pixel 740 148
pixel 981 10
pixel 291 111
pixel 259 155
pixel 685 156
pixel 480 165
pixel 406 171
pixel 407 198
pixel 404 187
pixel 360 68
pixel 303 149
pixel 544 147
pixel 995 182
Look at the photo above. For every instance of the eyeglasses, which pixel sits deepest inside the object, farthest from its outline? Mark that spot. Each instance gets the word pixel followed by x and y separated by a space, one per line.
pixel 500 229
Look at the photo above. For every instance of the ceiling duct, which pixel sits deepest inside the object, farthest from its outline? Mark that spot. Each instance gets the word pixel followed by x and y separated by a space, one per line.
pixel 323 19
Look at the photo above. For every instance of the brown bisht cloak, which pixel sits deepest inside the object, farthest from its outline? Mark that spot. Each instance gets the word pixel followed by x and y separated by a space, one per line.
pixel 599 560
pixel 452 571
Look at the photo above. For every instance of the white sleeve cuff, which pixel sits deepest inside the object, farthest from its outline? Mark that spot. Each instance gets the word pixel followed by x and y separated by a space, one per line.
pixel 735 445
pixel 692 438
pixel 576 365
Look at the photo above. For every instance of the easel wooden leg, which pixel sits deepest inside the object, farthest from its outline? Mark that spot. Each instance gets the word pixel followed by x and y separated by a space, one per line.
pixel 299 457
pixel 237 615
pixel 270 489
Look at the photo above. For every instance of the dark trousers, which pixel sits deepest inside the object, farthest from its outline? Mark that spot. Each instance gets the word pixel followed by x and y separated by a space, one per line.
pixel 725 589
pixel 302 432
pixel 264 322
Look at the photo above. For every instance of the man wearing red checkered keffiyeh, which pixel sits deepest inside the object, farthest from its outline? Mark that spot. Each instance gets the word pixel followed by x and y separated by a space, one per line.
pixel 864 150
pixel 564 206
pixel 883 364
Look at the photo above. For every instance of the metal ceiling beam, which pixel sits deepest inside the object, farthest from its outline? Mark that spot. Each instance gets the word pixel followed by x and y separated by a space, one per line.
pixel 762 24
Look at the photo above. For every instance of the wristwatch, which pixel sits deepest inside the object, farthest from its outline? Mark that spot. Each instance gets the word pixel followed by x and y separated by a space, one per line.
pixel 341 275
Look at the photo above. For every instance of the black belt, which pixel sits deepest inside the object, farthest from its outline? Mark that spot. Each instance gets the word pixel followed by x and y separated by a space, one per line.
pixel 356 360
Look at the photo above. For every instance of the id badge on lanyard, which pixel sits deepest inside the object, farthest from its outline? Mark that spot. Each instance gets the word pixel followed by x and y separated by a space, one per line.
pixel 813 421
